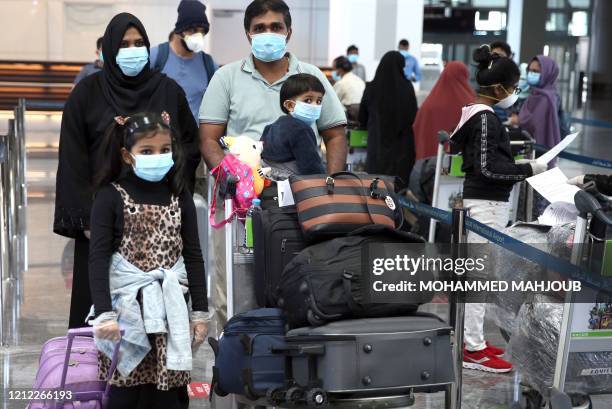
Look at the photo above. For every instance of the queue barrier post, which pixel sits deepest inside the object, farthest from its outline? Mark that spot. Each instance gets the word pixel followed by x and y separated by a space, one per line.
pixel 4 236
pixel 13 243
pixel 457 308
pixel 443 137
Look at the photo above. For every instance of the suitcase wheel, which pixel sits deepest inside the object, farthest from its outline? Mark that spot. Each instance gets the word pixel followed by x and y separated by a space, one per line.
pixel 316 398
pixel 218 391
pixel 275 396
pixel 294 395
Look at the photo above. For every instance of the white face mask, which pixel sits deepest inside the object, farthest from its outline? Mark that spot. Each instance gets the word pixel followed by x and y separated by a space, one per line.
pixel 508 101
pixel 195 42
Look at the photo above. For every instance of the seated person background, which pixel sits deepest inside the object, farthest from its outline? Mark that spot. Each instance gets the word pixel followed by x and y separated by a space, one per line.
pixel 348 86
pixel 290 145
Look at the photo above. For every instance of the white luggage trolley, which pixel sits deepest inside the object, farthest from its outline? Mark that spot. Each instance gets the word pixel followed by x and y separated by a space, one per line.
pixel 572 338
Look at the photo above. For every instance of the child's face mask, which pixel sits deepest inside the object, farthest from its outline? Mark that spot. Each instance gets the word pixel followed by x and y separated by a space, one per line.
pixel 308 113
pixel 152 168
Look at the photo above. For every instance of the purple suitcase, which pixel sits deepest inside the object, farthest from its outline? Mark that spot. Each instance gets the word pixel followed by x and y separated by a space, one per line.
pixel 70 363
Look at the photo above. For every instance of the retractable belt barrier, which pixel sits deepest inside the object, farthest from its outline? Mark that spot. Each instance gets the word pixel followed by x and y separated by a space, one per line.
pixel 591 122
pixel 601 163
pixel 522 249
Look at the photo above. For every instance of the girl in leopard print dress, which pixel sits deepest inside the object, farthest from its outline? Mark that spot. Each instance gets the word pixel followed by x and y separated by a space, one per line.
pixel 143 216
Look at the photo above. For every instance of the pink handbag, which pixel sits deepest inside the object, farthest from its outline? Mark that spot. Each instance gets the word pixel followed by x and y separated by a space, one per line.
pixel 245 192
pixel 69 366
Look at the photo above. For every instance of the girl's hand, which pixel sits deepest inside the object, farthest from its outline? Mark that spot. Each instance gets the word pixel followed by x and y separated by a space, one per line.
pixel 198 330
pixel 108 330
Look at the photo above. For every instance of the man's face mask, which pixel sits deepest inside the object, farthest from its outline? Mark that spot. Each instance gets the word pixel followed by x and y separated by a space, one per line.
pixel 195 42
pixel 268 47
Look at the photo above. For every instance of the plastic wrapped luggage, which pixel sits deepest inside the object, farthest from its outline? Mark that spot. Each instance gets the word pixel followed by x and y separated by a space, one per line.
pixel 508 266
pixel 367 357
pixel 533 348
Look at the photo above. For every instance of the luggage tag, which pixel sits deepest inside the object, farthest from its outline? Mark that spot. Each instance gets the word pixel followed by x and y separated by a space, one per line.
pixel 285 195
pixel 198 390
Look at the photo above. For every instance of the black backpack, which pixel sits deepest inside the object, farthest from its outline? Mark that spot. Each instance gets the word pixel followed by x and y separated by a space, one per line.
pixel 162 57
pixel 325 282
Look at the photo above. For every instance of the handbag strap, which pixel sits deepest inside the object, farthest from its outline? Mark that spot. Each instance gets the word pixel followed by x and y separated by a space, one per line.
pixel 367 193
pixel 213 205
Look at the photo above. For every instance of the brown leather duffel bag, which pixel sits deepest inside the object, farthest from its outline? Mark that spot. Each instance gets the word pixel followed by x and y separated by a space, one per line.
pixel 332 206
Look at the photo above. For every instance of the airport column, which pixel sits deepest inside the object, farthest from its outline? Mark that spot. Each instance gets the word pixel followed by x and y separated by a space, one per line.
pixel 526 28
pixel 600 55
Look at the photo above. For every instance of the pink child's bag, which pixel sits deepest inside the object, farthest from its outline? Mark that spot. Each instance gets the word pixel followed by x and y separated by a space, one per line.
pixel 245 193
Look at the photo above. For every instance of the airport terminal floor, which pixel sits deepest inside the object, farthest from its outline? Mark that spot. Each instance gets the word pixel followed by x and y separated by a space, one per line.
pixel 46 283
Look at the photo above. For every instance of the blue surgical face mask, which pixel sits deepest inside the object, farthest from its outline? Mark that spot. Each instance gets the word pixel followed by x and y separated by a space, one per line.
pixel 353 58
pixel 533 78
pixel 268 47
pixel 153 168
pixel 404 53
pixel 524 86
pixel 101 56
pixel 336 77
pixel 132 60
pixel 306 113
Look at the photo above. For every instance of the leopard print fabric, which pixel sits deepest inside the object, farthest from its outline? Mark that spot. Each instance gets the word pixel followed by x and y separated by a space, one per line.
pixel 151 238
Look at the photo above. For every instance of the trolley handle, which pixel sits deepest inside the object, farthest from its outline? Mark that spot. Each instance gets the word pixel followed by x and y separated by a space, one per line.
pixel 227 186
pixel 587 203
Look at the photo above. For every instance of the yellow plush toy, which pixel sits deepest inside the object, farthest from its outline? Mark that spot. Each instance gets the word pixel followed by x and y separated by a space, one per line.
pixel 247 151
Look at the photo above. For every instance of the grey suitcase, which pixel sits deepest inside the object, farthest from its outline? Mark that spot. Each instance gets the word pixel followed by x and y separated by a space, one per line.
pixel 372 357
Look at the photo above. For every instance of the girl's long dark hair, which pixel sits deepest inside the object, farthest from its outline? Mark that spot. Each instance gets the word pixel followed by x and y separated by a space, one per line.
pixel 126 135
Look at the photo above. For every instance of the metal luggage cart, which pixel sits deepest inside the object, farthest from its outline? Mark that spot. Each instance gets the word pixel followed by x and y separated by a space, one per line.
pixel 572 341
pixel 572 381
pixel 448 179
pixel 239 275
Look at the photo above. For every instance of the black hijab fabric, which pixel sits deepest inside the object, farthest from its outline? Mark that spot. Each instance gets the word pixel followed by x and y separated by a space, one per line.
pixel 393 96
pixel 126 94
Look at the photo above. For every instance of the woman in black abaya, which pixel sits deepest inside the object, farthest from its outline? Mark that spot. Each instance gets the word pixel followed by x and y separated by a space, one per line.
pixel 387 110
pixel 91 107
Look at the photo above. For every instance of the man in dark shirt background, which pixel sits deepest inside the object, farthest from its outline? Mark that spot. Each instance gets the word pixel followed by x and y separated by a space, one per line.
pixel 94 66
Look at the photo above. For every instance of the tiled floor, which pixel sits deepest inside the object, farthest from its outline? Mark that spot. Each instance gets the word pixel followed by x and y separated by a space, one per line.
pixel 46 284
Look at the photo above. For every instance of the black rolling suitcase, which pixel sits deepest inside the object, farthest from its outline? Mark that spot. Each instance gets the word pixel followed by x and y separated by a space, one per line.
pixel 369 357
pixel 277 239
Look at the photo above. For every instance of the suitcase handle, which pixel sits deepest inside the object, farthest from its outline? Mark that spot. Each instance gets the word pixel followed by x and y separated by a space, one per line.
pixel 299 350
pixel 89 331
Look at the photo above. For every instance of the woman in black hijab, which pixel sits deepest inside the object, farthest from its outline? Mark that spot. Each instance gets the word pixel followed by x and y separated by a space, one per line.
pixel 90 109
pixel 387 110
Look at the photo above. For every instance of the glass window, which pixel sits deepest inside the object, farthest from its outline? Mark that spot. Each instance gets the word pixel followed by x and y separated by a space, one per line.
pixel 490 21
pixel 490 3
pixel 556 4
pixel 579 26
pixel 556 22
pixel 580 4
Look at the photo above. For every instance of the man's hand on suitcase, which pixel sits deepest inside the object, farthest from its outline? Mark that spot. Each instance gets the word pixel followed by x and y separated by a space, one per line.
pixel 108 330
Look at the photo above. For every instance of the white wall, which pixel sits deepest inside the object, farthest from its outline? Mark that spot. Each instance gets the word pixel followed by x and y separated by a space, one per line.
pixel 375 26
pixel 66 30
